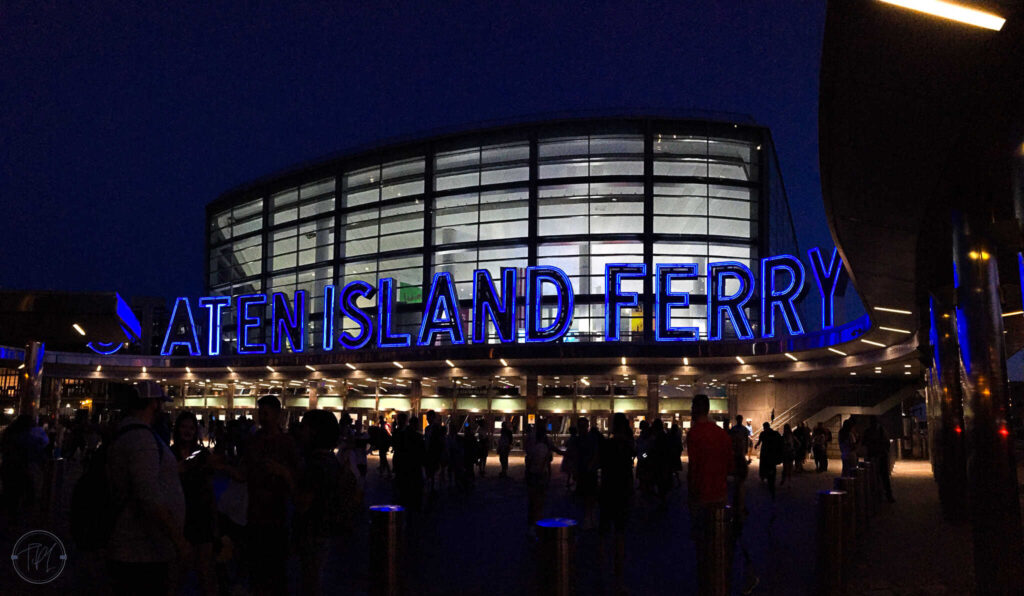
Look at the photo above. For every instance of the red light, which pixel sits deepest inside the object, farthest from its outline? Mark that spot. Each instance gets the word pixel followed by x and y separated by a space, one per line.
pixel 1004 431
pixel 959 430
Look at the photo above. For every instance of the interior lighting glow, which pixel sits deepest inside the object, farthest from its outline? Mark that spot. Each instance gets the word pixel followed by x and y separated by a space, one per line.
pixel 398 364
pixel 99 367
pixel 143 370
pixel 623 360
pixel 350 365
pixel 906 366
pixel 895 311
pixel 1013 313
pixel 953 12
pixel 686 361
pixel 895 330
pixel 503 361
pixel 585 382
pixel 853 374
pixel 449 363
pixel 310 368
pixel 740 360
pixel 270 368
pixel 791 357
pixel 840 352
pixel 873 343
pixel 21 366
pixel 188 370
pixel 230 370
pixel 908 373
pixel 78 328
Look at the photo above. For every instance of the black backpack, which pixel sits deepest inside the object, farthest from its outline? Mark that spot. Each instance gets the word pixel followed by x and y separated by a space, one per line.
pixel 93 508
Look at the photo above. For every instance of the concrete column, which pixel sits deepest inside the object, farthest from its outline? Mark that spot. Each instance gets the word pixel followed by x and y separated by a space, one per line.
pixel 532 395
pixel 946 414
pixel 415 396
pixel 653 393
pixel 229 399
pixel 314 393
pixel 376 398
pixel 991 472
pixel 30 379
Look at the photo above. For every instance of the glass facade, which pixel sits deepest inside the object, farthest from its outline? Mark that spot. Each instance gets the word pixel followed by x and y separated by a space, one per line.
pixel 576 196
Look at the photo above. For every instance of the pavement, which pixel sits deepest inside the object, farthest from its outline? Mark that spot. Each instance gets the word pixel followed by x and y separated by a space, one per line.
pixel 477 543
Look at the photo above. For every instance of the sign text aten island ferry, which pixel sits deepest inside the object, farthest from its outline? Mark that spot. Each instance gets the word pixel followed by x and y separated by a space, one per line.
pixel 731 286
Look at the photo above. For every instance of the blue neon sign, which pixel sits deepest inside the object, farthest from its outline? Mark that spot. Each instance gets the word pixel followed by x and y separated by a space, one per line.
pixel 541 308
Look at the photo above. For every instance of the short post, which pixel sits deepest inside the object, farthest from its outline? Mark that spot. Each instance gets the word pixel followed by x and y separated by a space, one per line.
pixel 861 478
pixel 873 486
pixel 830 542
pixel 714 558
pixel 848 484
pixel 557 538
pixel 385 549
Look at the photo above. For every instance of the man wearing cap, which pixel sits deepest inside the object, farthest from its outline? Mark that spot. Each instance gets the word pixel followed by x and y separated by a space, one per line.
pixel 143 476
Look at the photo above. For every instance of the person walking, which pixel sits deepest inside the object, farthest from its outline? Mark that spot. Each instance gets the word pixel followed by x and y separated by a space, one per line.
pixel 148 533
pixel 270 466
pixel 770 443
pixel 661 456
pixel 848 445
pixel 380 439
pixel 588 461
pixel 820 439
pixel 433 438
pixel 196 466
pixel 453 454
pixel 483 446
pixel 788 453
pixel 570 459
pixel 711 456
pixel 877 442
pixel 616 463
pixel 803 443
pixel 675 437
pixel 539 453
pixel 410 454
pixel 504 447
pixel 739 434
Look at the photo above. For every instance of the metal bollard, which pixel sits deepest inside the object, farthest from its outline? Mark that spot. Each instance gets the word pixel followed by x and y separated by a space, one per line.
pixel 848 484
pixel 861 477
pixel 385 549
pixel 830 542
pixel 557 538
pixel 714 552
pixel 873 486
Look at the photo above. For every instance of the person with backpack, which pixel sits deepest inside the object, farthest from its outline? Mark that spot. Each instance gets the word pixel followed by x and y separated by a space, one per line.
pixel 145 488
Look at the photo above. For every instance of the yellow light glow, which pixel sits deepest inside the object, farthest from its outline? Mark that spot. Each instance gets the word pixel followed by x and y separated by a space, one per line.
pixel 1013 313
pixel 953 12
pixel 78 328
pixel 503 361
pixel 840 352
pixel 740 360
pixel 791 357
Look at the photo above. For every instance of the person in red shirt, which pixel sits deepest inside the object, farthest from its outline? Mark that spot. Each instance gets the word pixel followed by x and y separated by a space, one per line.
pixel 710 462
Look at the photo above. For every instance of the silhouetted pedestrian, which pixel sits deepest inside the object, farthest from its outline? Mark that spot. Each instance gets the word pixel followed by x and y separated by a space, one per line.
pixel 616 461
pixel 711 456
pixel 770 443
pixel 877 442
pixel 504 447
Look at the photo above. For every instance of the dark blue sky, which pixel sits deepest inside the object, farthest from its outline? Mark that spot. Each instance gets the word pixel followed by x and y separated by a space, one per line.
pixel 118 126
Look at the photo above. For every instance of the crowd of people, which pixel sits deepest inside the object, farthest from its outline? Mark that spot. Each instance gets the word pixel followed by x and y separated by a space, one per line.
pixel 220 505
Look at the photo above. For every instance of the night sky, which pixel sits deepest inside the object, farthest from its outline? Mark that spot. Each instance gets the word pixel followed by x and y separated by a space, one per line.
pixel 118 126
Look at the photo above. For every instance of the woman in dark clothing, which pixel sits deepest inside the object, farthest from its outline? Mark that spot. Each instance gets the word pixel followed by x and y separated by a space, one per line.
pixel 196 470
pixel 617 454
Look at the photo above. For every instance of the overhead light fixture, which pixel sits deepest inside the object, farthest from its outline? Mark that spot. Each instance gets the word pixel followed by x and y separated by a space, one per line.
pixel 954 12
pixel 78 328
pixel 791 357
pixel 906 366
pixel 740 360
pixel 22 365
pixel 771 376
pixel 686 361
pixel 99 367
pixel 310 368
pixel 853 374
pixel 907 372
pixel 895 311
pixel 503 361
pixel 873 343
pixel 349 364
pixel 270 368
pixel 449 363
pixel 840 352
pixel 1016 312
pixel 188 370
pixel 143 370
pixel 585 382
pixel 398 364
pixel 230 370
pixel 895 330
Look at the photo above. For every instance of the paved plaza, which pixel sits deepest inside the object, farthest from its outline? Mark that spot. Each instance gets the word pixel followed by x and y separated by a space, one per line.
pixel 477 543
